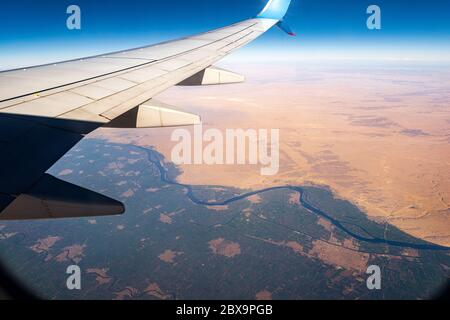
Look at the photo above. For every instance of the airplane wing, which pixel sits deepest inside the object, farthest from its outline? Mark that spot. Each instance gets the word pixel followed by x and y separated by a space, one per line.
pixel 46 110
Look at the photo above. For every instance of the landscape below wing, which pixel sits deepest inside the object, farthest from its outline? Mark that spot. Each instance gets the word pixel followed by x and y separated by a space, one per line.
pixel 46 110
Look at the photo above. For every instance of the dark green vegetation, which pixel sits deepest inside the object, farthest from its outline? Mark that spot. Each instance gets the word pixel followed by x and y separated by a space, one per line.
pixel 166 246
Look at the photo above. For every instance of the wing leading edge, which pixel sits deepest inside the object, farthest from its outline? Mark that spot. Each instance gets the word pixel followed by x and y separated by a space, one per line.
pixel 46 110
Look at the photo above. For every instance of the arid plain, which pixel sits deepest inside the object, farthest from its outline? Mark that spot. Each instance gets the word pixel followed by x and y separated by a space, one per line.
pixel 377 135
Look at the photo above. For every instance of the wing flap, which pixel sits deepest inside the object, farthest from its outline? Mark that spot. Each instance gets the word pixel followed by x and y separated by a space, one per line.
pixel 50 197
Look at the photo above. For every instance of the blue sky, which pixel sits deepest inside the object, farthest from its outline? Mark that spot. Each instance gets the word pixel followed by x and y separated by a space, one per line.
pixel 35 32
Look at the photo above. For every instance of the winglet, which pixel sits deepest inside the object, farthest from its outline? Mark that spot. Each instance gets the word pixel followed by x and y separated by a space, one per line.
pixel 275 9
pixel 285 27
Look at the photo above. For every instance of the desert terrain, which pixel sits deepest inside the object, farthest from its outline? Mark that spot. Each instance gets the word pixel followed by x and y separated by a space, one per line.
pixel 377 135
